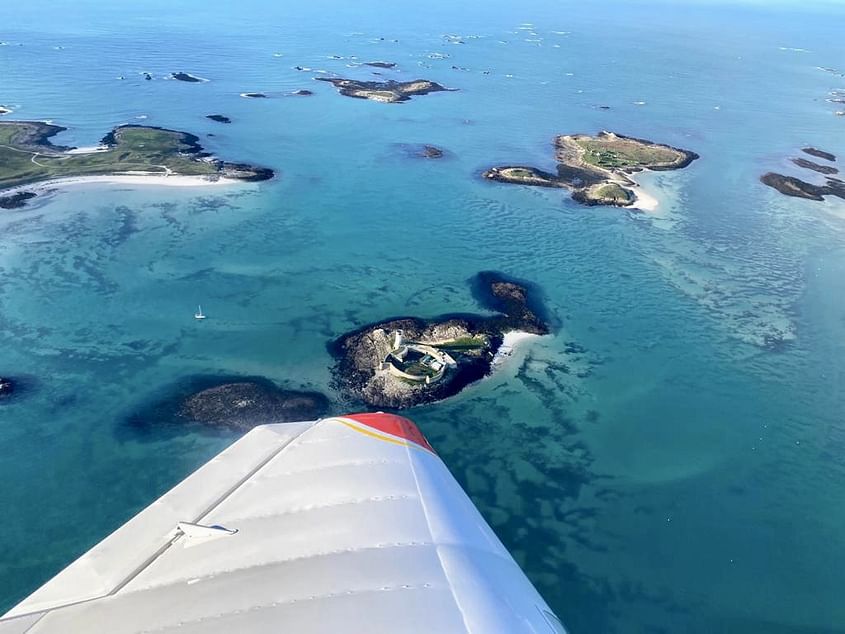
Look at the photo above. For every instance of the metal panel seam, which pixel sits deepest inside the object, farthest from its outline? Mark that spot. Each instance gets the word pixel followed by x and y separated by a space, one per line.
pixel 431 535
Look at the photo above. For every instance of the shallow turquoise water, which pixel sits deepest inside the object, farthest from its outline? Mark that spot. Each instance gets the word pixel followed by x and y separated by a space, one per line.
pixel 652 466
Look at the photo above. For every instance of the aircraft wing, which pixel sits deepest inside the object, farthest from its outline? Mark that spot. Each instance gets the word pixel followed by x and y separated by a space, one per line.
pixel 346 524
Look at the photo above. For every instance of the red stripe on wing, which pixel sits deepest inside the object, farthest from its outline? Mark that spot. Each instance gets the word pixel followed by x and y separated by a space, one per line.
pixel 394 425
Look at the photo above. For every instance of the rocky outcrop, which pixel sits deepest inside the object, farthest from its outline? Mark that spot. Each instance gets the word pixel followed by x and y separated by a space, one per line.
pixel 431 152
pixel 795 187
pixel 827 170
pixel 219 118
pixel 187 77
pixel 16 200
pixel 420 150
pixel 827 156
pixel 244 172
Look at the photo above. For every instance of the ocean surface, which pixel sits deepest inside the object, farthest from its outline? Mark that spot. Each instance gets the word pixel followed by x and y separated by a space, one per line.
pixel 671 460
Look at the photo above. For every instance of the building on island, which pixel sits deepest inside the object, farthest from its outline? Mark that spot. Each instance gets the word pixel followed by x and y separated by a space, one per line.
pixel 416 362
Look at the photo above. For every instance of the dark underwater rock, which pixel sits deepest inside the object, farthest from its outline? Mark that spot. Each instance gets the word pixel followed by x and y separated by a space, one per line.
pixel 223 403
pixel 246 404
pixel 219 118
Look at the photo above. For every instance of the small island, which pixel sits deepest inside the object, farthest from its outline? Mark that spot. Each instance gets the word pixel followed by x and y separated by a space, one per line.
pixel 384 91
pixel 597 169
pixel 219 118
pixel 27 157
pixel 381 64
pixel 253 95
pixel 407 361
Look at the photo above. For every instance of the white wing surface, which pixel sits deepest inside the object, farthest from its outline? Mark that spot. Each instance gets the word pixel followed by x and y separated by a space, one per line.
pixel 346 524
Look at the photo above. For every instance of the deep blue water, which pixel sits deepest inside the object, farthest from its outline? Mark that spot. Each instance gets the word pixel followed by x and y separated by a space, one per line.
pixel 653 466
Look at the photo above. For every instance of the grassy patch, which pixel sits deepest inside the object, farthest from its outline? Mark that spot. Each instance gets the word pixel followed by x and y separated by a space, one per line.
pixel 620 153
pixel 613 193
pixel 134 148
pixel 463 343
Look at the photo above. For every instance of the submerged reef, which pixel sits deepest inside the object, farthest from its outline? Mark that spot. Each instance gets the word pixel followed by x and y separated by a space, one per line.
pixel 227 403
pixel 406 361
pixel 245 404
pixel 597 169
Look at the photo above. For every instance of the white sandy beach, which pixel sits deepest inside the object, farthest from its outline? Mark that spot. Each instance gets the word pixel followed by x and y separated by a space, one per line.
pixel 142 179
pixel 92 149
pixel 645 200
pixel 510 341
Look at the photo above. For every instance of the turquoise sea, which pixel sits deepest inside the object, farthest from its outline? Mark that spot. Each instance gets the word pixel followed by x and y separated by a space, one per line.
pixel 670 461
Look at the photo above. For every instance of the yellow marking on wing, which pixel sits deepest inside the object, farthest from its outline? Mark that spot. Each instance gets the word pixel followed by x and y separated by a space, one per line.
pixel 377 435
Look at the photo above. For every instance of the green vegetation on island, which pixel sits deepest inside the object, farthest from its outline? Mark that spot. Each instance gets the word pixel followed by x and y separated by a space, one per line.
pixel 597 168
pixel 27 156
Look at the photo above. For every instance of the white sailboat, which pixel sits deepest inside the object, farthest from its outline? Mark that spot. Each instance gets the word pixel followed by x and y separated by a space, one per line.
pixel 198 314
